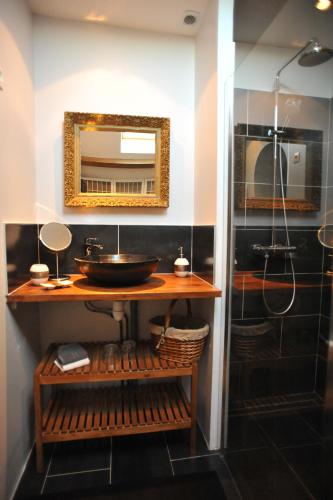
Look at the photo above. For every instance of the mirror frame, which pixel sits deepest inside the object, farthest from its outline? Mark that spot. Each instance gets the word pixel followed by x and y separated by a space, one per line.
pixel 311 138
pixel 73 122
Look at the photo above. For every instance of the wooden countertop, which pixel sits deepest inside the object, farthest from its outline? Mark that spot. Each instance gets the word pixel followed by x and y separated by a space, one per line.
pixel 248 281
pixel 157 287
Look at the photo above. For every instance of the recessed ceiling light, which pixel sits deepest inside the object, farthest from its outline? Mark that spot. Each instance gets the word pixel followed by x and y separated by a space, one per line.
pixel 95 17
pixel 323 4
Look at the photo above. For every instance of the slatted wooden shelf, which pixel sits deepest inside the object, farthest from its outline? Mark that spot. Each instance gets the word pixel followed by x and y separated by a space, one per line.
pixel 124 409
pixel 143 363
pixel 90 413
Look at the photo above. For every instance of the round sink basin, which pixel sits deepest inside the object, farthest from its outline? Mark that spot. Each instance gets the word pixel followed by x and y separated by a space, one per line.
pixel 118 269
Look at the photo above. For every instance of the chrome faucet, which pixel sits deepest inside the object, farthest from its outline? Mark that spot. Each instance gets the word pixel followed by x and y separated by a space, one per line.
pixel 91 245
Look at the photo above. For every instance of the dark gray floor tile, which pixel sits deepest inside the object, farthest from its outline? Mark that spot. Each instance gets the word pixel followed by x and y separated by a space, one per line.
pixel 263 475
pixel 81 481
pixel 179 444
pixel 287 430
pixel 315 418
pixel 136 458
pixel 208 463
pixel 314 466
pixel 243 433
pixel 77 456
pixel 31 482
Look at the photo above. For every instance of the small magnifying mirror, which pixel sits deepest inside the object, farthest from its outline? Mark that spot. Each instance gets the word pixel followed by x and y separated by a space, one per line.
pixel 325 237
pixel 56 237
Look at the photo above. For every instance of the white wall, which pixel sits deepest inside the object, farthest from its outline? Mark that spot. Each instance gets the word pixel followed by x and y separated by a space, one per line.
pixel 259 64
pixel 19 336
pixel 101 69
pixel 205 181
pixel 206 118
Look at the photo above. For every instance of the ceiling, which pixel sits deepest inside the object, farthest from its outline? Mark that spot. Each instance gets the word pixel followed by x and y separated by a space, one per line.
pixel 282 23
pixel 164 16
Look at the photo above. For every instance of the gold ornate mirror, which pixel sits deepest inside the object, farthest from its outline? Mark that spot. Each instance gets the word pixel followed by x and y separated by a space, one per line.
pixel 116 160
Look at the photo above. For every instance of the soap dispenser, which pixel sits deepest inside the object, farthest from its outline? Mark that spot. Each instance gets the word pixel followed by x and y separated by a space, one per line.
pixel 181 265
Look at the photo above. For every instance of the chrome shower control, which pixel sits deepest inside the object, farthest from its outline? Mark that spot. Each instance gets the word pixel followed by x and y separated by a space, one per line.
pixel 260 249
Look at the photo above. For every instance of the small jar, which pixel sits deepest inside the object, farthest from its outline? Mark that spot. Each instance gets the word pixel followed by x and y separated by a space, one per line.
pixel 39 274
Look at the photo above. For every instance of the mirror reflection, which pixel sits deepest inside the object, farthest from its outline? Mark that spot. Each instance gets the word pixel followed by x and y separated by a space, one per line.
pixel 117 161
pixel 260 170
pixel 295 177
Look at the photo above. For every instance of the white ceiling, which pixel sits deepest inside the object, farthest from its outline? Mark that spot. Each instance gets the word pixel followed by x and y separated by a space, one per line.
pixel 165 16
pixel 296 22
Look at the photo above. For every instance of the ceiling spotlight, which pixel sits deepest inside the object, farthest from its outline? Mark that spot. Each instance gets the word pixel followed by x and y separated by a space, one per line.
pixel 323 4
pixel 190 17
pixel 95 17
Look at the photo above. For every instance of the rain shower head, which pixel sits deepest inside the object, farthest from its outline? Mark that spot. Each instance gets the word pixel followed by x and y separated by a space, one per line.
pixel 317 55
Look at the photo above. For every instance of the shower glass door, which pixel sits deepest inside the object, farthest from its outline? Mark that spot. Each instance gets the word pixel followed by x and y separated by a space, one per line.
pixel 278 423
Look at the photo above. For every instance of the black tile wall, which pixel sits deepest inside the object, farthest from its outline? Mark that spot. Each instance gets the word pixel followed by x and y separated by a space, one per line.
pixel 285 361
pixel 321 382
pixel 163 241
pixel 22 251
pixel 293 360
pixel 107 235
pixel 203 251
pixel 308 257
pixel 300 335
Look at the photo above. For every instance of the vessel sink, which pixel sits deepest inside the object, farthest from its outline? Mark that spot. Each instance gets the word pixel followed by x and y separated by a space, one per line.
pixel 118 269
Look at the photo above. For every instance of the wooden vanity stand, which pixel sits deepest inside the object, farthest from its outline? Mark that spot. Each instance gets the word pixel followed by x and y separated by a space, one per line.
pixel 130 406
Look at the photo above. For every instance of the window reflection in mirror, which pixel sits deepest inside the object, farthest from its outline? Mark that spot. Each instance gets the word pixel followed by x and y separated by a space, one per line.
pixel 117 162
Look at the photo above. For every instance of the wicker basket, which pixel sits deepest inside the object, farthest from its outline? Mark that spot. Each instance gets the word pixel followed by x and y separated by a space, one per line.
pixel 179 338
pixel 248 337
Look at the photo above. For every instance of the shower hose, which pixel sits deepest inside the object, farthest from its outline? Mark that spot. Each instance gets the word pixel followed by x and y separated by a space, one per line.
pixel 289 306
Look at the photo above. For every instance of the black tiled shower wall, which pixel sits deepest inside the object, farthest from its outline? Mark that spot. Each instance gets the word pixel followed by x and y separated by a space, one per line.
pixel 288 362
pixel 23 247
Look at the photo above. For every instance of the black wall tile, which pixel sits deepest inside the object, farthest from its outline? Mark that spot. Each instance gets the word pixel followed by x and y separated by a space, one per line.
pixel 299 335
pixel 308 257
pixel 203 251
pixel 274 377
pixel 107 235
pixel 246 259
pixel 162 241
pixel 321 380
pixel 22 252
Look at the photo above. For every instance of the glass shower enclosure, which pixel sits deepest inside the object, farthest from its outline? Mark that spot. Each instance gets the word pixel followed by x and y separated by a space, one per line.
pixel 278 417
